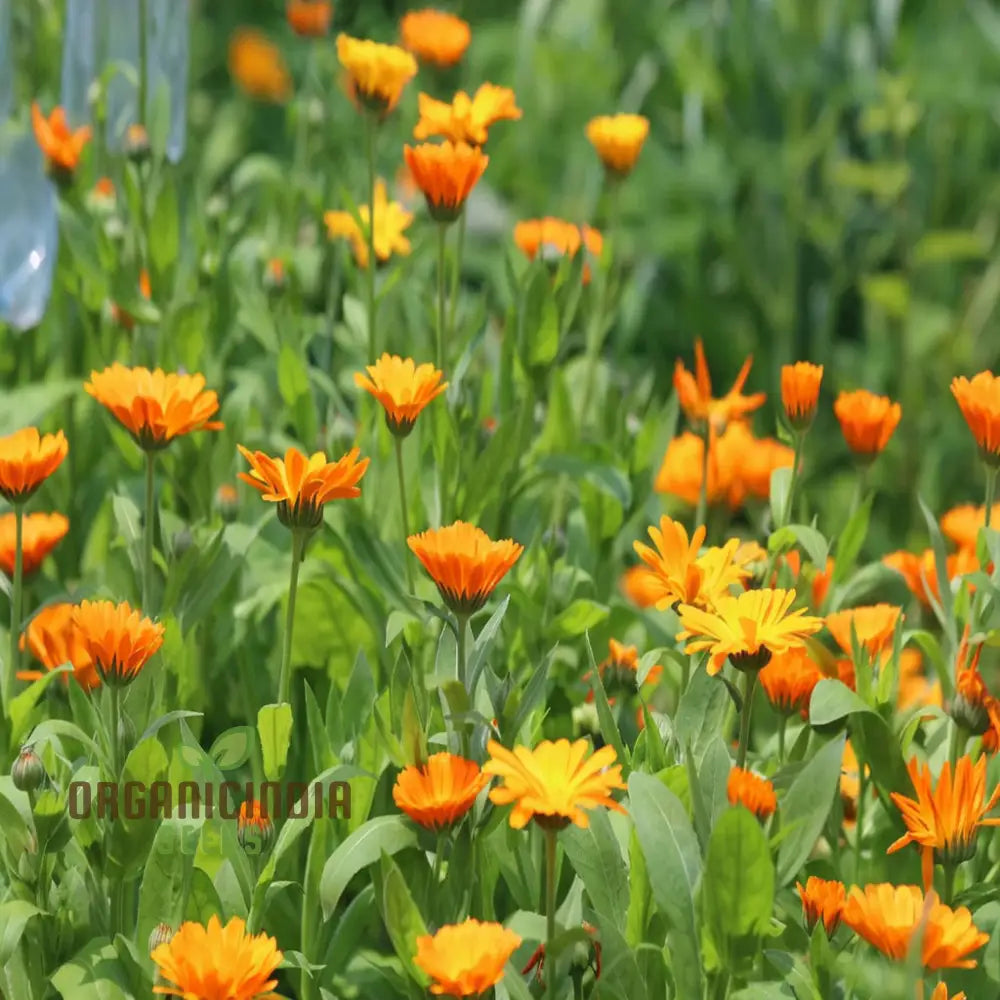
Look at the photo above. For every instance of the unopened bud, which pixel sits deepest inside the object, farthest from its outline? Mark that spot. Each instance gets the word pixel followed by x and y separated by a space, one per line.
pixel 969 715
pixel 254 830
pixel 28 771
pixel 227 502
pixel 161 934
pixel 136 143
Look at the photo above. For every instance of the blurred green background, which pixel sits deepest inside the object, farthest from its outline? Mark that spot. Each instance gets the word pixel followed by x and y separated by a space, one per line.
pixel 820 183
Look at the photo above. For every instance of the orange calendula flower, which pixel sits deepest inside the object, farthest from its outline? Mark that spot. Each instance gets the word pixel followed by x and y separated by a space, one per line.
pixel 943 821
pixel 403 388
pixel 887 916
pixel 465 959
pixel 466 119
pixel 685 575
pixel 27 459
pixel 120 641
pixel 258 67
pixel 789 679
pixel 54 641
pixel 440 792
pixel 434 36
pixel 641 586
pixel 553 239
pixel 464 563
pixel 378 73
pixel 61 146
pixel 41 533
pixel 867 421
pixel 874 626
pixel 941 993
pixel 555 783
pixel 700 406
pixel 446 174
pixel 217 961
pixel 961 524
pixel 618 140
pixel 920 571
pixel 155 407
pixel 800 392
pixel 309 18
pixel 300 485
pixel 822 899
pixel 979 400
pixel 748 629
pixel 621 668
pixel 744 788
pixel 391 221
pixel 974 708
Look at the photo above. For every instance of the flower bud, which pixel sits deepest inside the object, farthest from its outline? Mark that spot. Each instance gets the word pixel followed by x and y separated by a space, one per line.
pixel 254 830
pixel 28 771
pixel 161 934
pixel 137 143
pixel 227 502
pixel 969 715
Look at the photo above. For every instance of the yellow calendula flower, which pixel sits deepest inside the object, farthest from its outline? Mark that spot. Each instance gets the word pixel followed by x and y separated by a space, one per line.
pixel 378 73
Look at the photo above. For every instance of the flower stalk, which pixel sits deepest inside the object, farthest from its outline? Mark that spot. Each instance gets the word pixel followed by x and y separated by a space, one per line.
pixel 285 677
pixel 147 534
pixel 991 493
pixel 439 328
pixel 404 516
pixel 749 683
pixel 550 911
pixel 701 509
pixel 371 125
pixel 17 598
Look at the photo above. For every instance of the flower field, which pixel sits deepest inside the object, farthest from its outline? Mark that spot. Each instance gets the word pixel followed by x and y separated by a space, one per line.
pixel 499 503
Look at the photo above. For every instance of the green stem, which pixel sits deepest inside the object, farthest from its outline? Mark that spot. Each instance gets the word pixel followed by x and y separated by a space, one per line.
pixel 991 492
pixel 371 124
pixel 786 515
pixel 147 536
pixel 699 514
pixel 143 96
pixel 456 274
pixel 955 746
pixel 117 880
pixel 782 723
pixel 463 624
pixel 285 679
pixel 749 683
pixel 550 911
pixel 398 442
pixel 16 599
pixel 439 329
pixel 950 871
pixel 860 820
pixel 438 854
pixel 861 488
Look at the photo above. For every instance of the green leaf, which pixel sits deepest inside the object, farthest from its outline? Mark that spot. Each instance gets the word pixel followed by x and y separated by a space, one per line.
pixel 402 918
pixel 833 700
pixel 164 228
pixel 14 917
pixel 233 748
pixel 167 877
pixel 609 728
pixel 274 726
pixel 483 644
pixel 944 611
pixel 596 856
pixel 805 807
pixel 95 973
pixel 738 886
pixel 673 863
pixel 544 344
pixel 362 848
pixel 701 712
pixel 781 483
pixel 578 617
pixel 947 245
pixel 850 542
pixel 813 542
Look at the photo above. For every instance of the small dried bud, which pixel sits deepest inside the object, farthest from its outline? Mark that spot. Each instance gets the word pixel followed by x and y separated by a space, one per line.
pixel 227 502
